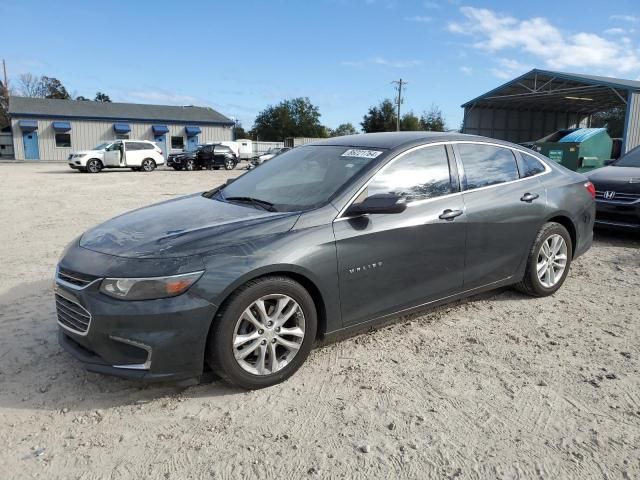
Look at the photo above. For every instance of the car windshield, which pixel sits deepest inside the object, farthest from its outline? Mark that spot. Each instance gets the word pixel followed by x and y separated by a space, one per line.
pixel 102 146
pixel 302 178
pixel 631 159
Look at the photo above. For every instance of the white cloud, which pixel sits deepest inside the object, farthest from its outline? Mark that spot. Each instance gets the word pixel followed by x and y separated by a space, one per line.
pixel 466 70
pixel 508 68
pixel 161 96
pixel 419 19
pixel 615 31
pixel 625 18
pixel 382 61
pixel 539 38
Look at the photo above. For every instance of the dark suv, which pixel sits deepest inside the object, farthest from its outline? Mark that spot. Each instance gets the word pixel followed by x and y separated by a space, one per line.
pixel 211 156
pixel 216 156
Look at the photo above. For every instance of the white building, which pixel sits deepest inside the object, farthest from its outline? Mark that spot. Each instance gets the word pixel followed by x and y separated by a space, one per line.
pixel 50 129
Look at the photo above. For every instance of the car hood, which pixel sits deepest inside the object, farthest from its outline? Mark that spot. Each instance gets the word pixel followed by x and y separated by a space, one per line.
pixel 616 178
pixel 88 152
pixel 184 226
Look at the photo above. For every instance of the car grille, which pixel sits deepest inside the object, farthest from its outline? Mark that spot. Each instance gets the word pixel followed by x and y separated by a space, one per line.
pixel 75 278
pixel 618 196
pixel 71 315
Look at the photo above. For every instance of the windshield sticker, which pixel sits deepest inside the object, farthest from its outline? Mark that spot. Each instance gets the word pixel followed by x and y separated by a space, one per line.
pixel 361 153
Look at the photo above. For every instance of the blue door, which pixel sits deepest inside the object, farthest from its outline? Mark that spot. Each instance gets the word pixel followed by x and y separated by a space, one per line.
pixel 161 141
pixel 192 142
pixel 30 140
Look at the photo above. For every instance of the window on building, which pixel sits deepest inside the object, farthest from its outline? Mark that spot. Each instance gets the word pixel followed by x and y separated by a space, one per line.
pixel 177 142
pixel 418 175
pixel 63 140
pixel 486 165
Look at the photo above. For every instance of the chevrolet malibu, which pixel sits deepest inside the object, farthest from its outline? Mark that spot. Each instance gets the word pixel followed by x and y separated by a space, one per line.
pixel 324 239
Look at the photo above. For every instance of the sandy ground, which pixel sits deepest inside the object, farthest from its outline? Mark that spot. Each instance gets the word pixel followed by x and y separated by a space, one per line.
pixel 500 386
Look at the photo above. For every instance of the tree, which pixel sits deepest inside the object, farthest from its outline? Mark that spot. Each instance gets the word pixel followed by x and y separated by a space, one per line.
pixel 4 105
pixel 53 88
pixel 381 118
pixel 239 132
pixel 290 118
pixel 343 129
pixel 102 97
pixel 433 120
pixel 612 119
pixel 30 85
pixel 42 87
pixel 409 122
pixel 80 98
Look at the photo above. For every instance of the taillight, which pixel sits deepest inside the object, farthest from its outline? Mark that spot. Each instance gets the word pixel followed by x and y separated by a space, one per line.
pixel 591 189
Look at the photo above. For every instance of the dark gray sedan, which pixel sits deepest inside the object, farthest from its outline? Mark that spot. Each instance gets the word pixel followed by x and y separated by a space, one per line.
pixel 325 238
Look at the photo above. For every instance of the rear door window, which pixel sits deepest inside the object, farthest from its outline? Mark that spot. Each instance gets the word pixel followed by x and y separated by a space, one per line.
pixel 486 165
pixel 418 175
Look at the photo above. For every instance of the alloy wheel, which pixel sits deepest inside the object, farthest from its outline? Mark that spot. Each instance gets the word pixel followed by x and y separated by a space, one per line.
pixel 93 166
pixel 229 165
pixel 552 260
pixel 147 165
pixel 189 165
pixel 268 334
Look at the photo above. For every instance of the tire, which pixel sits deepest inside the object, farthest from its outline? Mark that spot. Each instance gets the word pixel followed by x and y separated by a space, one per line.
pixel 230 323
pixel 229 164
pixel 148 165
pixel 94 166
pixel 532 283
pixel 190 165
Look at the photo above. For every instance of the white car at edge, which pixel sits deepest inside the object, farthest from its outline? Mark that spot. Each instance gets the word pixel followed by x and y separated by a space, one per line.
pixel 134 154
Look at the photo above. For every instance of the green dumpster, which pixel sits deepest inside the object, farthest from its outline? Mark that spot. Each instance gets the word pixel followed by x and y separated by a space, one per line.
pixel 579 149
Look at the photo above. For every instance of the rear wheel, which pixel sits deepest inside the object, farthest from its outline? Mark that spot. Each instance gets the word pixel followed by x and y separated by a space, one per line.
pixel 548 262
pixel 263 333
pixel 94 166
pixel 229 164
pixel 148 165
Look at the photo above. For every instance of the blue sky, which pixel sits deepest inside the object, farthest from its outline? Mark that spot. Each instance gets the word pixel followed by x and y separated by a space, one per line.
pixel 240 56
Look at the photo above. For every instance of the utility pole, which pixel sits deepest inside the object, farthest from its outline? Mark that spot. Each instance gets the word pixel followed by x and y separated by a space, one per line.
pixel 399 83
pixel 6 81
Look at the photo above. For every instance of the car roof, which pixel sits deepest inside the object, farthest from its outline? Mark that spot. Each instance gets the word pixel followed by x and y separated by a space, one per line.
pixel 395 140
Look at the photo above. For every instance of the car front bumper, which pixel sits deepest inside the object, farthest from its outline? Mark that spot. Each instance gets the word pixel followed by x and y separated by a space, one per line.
pixel 618 214
pixel 151 340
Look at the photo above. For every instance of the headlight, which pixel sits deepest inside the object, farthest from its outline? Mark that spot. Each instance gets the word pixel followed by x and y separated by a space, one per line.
pixel 79 155
pixel 148 288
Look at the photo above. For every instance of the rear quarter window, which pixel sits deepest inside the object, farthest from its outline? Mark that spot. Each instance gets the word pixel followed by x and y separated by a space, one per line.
pixel 530 166
pixel 486 165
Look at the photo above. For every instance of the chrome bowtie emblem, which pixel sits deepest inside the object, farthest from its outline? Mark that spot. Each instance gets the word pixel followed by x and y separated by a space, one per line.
pixel 609 195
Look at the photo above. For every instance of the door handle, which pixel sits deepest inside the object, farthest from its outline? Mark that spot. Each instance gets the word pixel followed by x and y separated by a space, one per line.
pixel 529 197
pixel 449 214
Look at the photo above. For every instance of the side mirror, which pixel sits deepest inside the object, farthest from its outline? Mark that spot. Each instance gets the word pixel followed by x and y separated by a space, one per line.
pixel 379 203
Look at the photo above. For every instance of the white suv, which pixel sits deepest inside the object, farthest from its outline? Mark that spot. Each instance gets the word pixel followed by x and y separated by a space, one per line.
pixel 134 154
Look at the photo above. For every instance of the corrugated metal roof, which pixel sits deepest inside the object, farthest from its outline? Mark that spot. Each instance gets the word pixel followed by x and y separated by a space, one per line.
pixel 582 134
pixel 55 108
pixel 540 87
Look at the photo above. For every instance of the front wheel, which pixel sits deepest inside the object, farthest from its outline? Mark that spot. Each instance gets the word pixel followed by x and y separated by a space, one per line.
pixel 263 333
pixel 229 164
pixel 148 165
pixel 548 262
pixel 190 165
pixel 94 166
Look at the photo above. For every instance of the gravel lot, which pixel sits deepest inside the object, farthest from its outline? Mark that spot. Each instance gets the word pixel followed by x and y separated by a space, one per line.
pixel 499 386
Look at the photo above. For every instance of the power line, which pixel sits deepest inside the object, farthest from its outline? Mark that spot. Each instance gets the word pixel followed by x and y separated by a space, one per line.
pixel 399 100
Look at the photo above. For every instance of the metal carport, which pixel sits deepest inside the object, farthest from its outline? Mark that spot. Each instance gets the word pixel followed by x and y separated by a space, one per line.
pixel 541 101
